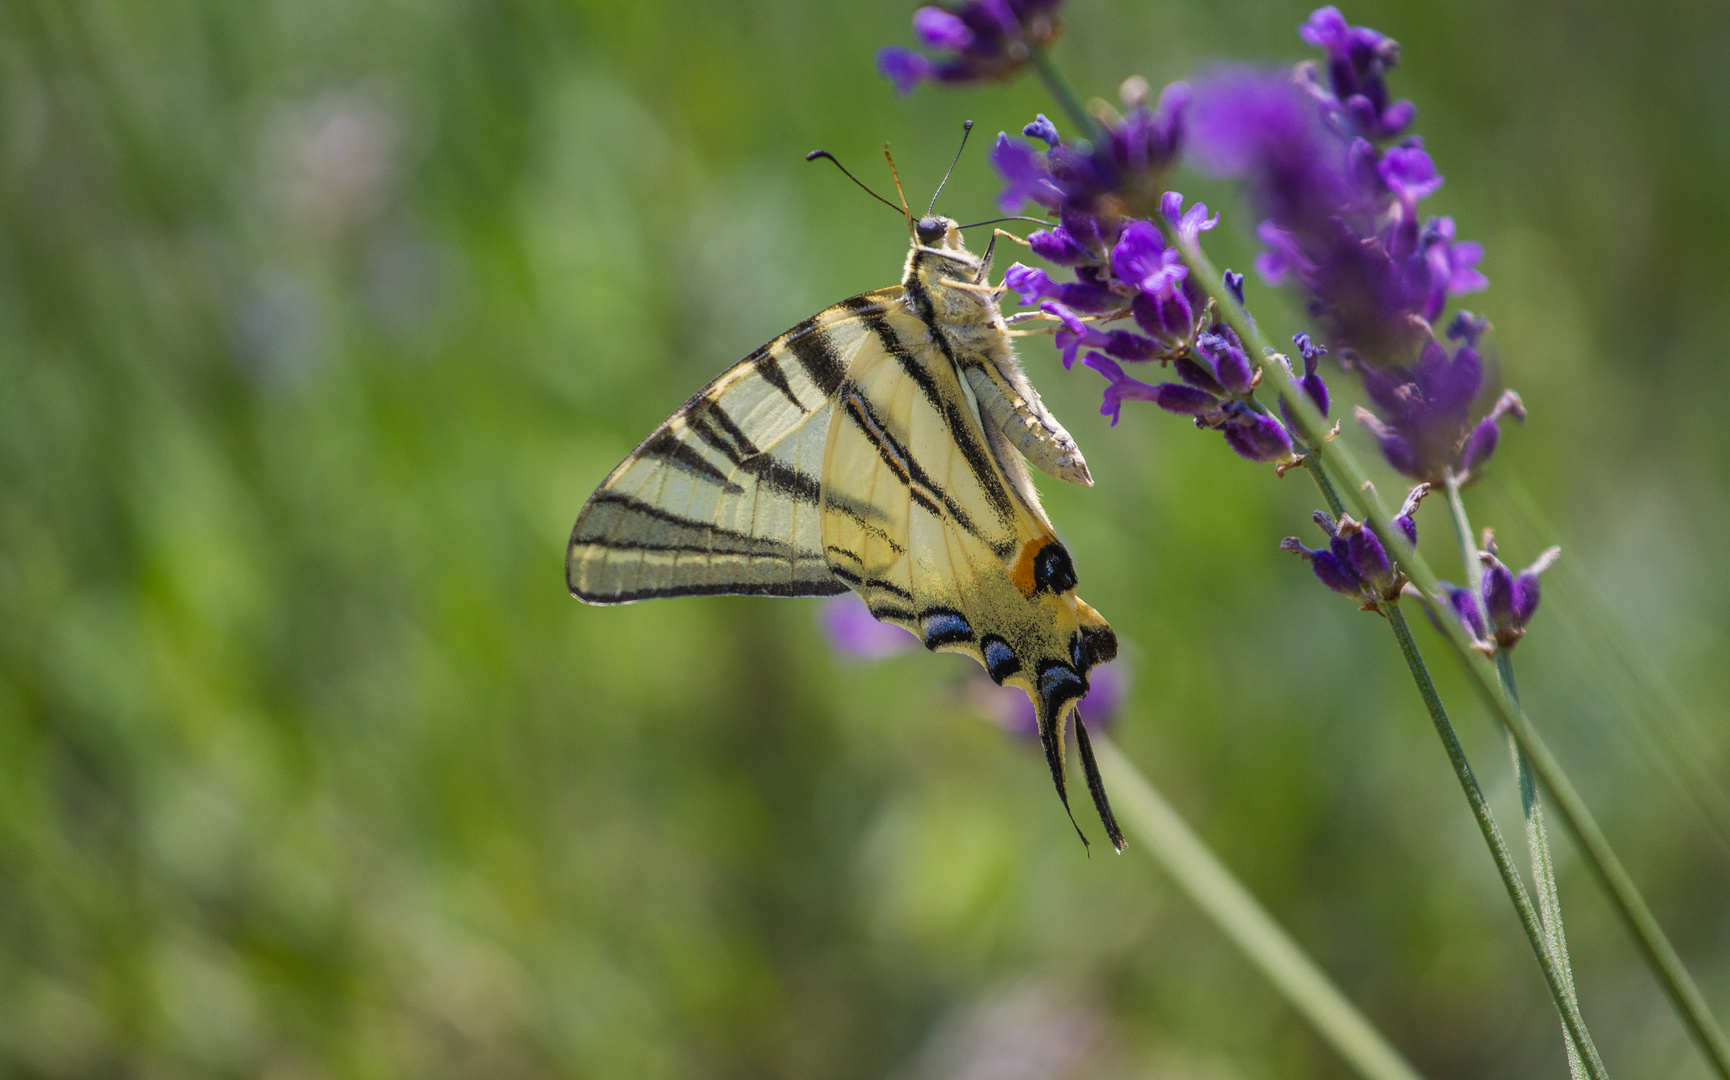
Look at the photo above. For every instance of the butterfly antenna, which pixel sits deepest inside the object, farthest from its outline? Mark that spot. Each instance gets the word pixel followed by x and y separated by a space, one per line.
pixel 995 220
pixel 966 130
pixel 902 195
pixel 815 154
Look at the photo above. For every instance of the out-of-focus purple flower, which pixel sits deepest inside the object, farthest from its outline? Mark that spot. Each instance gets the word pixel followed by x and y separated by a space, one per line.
pixel 980 40
pixel 1341 213
pixel 903 67
pixel 1042 129
pixel 1357 60
pixel 1262 127
pixel 939 29
pixel 1423 426
pixel 1482 442
pixel 856 634
pixel 1108 690
pixel 1467 328
pixel 1510 599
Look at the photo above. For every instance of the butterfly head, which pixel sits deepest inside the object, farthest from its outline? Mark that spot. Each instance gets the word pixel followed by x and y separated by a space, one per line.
pixel 934 230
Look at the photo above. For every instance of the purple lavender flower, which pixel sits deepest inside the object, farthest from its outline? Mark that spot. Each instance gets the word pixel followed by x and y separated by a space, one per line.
pixel 1358 58
pixel 1121 388
pixel 1510 599
pixel 1118 176
pixel 856 634
pixel 1355 563
pixel 982 40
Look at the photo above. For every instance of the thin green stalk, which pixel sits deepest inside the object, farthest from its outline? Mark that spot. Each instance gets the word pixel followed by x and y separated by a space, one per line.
pixel 1058 87
pixel 1552 960
pixel 1544 870
pixel 1359 494
pixel 1578 1044
pixel 1223 899
pixel 1556 975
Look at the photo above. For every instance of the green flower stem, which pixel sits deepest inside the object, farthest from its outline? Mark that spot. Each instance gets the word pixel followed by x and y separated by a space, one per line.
pixel 1060 90
pixel 1223 899
pixel 1556 974
pixel 1544 874
pixel 1578 1044
pixel 1357 492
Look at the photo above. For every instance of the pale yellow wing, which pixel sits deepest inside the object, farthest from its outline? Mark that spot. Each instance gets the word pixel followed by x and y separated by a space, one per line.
pixel 949 548
pixel 724 496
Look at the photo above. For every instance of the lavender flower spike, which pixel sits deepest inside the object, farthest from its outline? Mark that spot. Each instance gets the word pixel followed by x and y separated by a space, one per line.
pixel 981 40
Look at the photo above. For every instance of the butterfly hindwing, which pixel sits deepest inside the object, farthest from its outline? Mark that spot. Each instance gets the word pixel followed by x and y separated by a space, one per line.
pixel 958 555
pixel 723 497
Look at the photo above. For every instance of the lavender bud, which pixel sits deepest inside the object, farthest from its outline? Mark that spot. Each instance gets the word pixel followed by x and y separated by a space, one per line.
pixel 1466 607
pixel 1260 438
pixel 1197 376
pixel 1177 398
pixel 1234 283
pixel 1488 432
pixel 1168 315
pixel 1369 560
pixel 1499 594
pixel 1467 328
pixel 1042 129
pixel 1230 363
pixel 1334 572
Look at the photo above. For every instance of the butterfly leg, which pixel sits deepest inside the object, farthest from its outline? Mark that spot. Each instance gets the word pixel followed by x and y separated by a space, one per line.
pixel 985 263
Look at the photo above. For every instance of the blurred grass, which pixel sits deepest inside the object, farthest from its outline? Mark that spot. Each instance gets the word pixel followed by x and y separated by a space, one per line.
pixel 319 320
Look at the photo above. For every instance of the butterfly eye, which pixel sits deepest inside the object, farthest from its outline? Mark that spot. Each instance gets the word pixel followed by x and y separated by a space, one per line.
pixel 932 229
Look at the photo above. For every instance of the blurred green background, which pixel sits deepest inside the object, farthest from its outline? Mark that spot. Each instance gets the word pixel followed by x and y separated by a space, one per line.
pixel 319 320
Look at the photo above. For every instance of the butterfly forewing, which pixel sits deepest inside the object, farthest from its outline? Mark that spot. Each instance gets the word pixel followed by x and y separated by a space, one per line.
pixel 723 497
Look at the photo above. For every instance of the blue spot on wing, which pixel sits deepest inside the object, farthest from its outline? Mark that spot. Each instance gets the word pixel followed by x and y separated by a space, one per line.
pixel 942 626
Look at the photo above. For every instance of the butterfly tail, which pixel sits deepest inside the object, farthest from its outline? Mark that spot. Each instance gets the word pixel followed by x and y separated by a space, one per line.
pixel 1096 786
pixel 1051 738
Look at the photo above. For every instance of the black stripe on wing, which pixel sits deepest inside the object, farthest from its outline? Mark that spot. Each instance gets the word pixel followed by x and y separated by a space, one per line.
pixel 978 457
pixel 920 486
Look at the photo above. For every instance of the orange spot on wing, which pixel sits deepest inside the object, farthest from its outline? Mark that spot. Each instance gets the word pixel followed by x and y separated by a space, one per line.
pixel 1021 572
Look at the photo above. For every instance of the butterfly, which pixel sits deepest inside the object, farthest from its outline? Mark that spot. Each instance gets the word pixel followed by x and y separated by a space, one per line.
pixel 877 446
